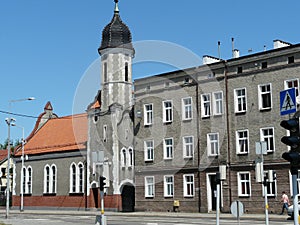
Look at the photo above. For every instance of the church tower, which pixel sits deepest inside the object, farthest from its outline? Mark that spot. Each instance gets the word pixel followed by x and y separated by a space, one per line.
pixel 116 52
pixel 110 144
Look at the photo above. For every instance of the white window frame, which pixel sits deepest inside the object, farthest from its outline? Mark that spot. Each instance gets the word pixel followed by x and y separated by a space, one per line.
pixel 244 140
pixel 188 146
pixel 149 150
pixel 205 105
pixel 168 148
pixel 271 186
pixel 291 84
pixel 149 187
pixel 262 94
pixel 218 103
pixel 167 111
pixel 77 185
pixel 240 100
pixel 187 108
pixel 188 185
pixel 213 146
pixel 168 186
pixel 26 180
pixel 244 184
pixel 269 138
pixel 148 114
pixel 50 179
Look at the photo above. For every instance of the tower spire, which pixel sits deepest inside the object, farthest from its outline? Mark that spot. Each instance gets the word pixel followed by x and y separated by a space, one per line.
pixel 116 6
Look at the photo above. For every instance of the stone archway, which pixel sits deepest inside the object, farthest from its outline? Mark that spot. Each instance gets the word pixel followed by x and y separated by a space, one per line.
pixel 128 198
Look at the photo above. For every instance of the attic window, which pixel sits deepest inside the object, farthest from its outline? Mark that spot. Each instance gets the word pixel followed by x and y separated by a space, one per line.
pixel 264 65
pixel 291 59
pixel 239 69
pixel 148 88
pixel 167 84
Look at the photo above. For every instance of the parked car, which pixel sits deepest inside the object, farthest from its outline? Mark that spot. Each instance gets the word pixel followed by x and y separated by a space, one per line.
pixel 291 210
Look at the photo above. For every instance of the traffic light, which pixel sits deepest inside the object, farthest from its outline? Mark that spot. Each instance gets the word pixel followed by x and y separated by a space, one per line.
pixel 294 139
pixel 102 183
pixel 292 157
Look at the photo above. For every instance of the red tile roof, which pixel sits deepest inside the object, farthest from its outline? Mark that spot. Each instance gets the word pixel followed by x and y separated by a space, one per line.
pixel 57 135
pixel 3 154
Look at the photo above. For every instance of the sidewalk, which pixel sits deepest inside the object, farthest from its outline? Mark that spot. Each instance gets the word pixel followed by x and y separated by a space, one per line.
pixel 272 217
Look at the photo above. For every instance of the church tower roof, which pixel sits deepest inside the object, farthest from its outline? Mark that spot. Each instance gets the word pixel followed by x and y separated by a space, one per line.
pixel 116 33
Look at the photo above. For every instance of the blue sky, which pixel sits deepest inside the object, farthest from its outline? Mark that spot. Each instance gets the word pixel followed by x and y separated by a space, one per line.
pixel 47 46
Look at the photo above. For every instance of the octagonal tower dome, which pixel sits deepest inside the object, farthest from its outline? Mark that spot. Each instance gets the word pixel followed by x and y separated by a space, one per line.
pixel 116 33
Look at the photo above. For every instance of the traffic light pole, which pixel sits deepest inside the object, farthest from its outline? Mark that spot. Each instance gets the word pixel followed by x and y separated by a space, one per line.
pixel 294 172
pixel 103 217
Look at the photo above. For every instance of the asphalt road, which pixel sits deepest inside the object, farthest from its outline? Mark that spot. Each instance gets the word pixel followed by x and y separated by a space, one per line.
pixel 38 219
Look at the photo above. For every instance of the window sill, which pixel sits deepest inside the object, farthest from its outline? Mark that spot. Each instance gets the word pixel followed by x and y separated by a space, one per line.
pixel 49 194
pixel 76 194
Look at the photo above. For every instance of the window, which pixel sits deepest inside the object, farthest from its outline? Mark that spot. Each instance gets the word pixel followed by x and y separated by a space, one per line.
pixel 50 179
pixel 187 112
pixel 240 100
pixel 244 184
pixel 105 72
pixel 105 133
pixel 188 185
pixel 148 114
pixel 26 180
pixel 167 111
pixel 239 69
pixel 149 187
pixel 188 147
pixel 264 65
pixel 168 186
pixel 126 71
pixel 168 148
pixel 131 157
pixel 205 105
pixel 267 135
pixel 213 144
pixel 264 96
pixel 271 186
pixel 77 178
pixel 294 83
pixel 291 59
pixel 123 157
pixel 242 142
pixel 149 150
pixel 218 103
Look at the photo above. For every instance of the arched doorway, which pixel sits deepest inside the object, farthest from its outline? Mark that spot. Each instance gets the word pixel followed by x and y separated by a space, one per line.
pixel 128 198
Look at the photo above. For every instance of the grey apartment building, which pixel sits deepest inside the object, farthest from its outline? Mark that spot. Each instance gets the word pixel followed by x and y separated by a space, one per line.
pixel 191 122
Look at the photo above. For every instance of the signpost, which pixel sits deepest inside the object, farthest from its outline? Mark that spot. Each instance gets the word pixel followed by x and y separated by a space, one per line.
pixel 288 103
pixel 237 209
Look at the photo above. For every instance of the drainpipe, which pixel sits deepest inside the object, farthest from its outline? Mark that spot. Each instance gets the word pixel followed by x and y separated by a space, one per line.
pixel 228 131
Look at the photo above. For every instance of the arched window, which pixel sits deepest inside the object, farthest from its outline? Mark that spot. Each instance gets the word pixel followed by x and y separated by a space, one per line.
pixel 50 179
pixel 105 72
pixel 131 157
pixel 126 71
pixel 123 157
pixel 26 180
pixel 77 178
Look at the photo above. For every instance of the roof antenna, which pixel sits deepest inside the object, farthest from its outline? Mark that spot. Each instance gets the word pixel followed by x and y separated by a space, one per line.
pixel 219 53
pixel 116 6
pixel 232 46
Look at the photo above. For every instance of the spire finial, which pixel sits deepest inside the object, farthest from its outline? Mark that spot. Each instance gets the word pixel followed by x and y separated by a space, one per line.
pixel 116 6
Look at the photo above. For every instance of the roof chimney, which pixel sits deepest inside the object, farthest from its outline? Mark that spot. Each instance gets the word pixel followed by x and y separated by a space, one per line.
pixel 236 53
pixel 280 44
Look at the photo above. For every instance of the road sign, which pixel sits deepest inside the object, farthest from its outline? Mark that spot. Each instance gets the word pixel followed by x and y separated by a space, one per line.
pixel 288 101
pixel 261 148
pixel 237 208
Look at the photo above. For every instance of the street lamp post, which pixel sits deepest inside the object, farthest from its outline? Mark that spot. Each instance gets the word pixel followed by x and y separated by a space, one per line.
pixel 9 122
pixel 22 172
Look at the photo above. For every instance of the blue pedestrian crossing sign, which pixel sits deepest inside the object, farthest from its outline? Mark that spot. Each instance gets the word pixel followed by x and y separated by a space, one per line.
pixel 288 103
